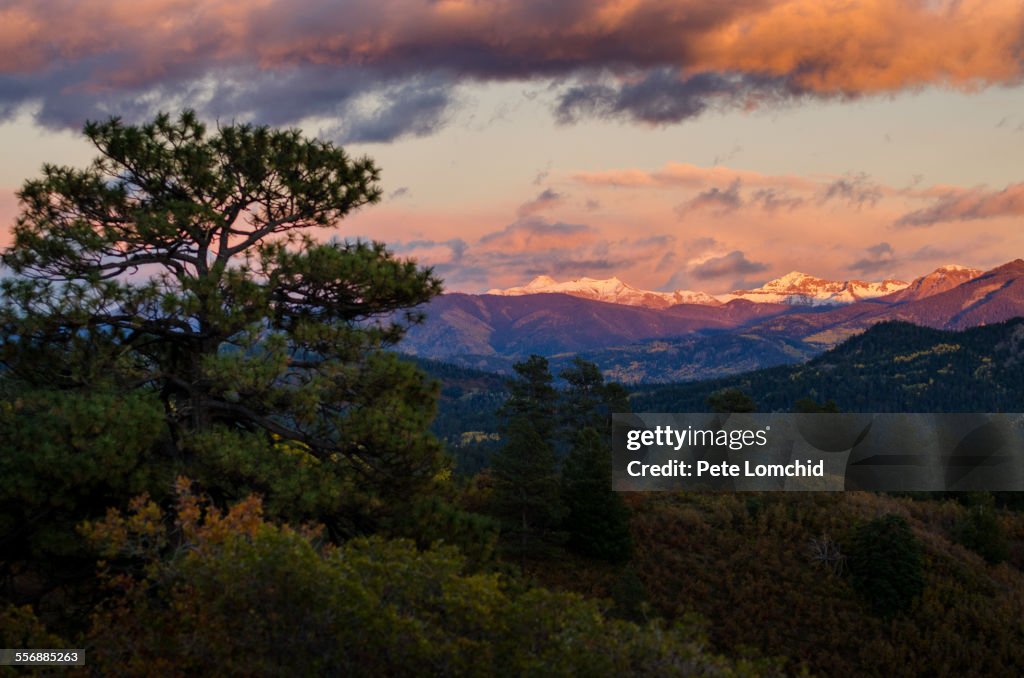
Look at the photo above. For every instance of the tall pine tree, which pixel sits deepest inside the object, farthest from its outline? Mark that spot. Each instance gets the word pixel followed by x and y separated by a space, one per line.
pixel 526 490
pixel 180 268
pixel 597 520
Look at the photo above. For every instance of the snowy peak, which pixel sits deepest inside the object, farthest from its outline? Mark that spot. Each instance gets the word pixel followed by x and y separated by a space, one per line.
pixel 801 289
pixel 611 290
pixel 940 280
pixel 540 282
pixel 795 288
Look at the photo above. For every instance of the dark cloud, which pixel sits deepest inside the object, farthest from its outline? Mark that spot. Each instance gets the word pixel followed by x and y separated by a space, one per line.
pixel 856 190
pixel 701 245
pixel 967 206
pixel 733 264
pixel 547 198
pixel 399 192
pixel 727 156
pixel 722 201
pixel 377 70
pixel 880 257
pixel 457 246
pixel 529 229
pixel 882 249
pixel 771 200
pixel 417 108
pixel 667 261
pixel 662 96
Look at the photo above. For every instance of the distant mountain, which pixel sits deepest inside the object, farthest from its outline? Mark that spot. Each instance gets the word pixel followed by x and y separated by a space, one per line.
pixel 990 297
pixel 488 330
pixel 940 280
pixel 612 290
pixel 806 290
pixel 892 367
pixel 695 341
pixel 793 288
pixel 700 355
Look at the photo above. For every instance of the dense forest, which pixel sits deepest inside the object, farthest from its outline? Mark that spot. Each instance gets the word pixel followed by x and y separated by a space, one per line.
pixel 892 367
pixel 213 461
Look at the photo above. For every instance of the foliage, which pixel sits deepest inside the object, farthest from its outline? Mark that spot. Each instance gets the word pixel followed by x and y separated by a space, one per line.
pixel 251 598
pixel 981 531
pixel 526 491
pixel 532 396
pixel 597 520
pixel 64 457
pixel 179 266
pixel 812 406
pixel 751 575
pixel 885 564
pixel 731 400
pixel 892 367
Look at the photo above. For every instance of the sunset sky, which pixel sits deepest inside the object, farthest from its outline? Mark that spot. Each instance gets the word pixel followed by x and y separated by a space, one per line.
pixel 694 145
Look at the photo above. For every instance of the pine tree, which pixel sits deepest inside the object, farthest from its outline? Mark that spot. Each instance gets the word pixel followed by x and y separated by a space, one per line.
pixel 180 266
pixel 526 492
pixel 597 520
pixel 532 396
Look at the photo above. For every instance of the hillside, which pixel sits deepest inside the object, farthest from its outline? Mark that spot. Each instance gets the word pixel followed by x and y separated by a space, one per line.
pixel 690 341
pixel 893 367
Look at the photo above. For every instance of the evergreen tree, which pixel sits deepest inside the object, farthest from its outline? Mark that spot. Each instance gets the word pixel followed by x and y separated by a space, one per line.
pixel 178 269
pixel 731 400
pixel 526 492
pixel 597 520
pixel 584 397
pixel 887 565
pixel 588 399
pixel 532 396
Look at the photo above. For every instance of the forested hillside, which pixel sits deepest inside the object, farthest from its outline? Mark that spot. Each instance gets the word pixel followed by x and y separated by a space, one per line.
pixel 893 367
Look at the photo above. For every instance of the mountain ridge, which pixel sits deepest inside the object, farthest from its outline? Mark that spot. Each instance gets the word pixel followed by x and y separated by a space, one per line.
pixel 695 341
pixel 795 288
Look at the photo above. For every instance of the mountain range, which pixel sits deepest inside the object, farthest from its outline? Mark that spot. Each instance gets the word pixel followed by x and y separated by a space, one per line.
pixel 644 337
pixel 794 288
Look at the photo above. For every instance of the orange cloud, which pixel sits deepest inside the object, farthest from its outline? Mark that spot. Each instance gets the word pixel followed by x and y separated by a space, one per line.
pixel 967 205
pixel 648 60
pixel 685 174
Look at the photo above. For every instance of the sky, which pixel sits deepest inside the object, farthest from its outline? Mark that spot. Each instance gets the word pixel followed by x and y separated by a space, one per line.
pixel 676 145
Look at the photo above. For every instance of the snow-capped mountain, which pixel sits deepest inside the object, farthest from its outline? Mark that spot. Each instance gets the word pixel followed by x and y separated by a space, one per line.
pixel 612 290
pixel 801 289
pixel 940 280
pixel 795 289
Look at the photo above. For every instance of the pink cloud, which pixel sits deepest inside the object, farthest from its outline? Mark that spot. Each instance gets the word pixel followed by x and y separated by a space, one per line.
pixel 645 60
pixel 958 204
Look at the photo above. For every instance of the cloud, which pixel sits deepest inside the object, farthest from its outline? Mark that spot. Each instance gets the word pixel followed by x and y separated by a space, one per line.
pixel 722 201
pixel 664 96
pixel 533 233
pixel 733 264
pixel 771 200
pixel 676 174
pixel 547 198
pixel 856 190
pixel 879 257
pixel 667 261
pixel 377 70
pixel 968 205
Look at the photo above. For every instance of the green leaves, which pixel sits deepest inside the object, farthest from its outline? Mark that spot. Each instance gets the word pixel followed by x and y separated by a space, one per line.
pixel 886 564
pixel 179 264
pixel 253 598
